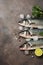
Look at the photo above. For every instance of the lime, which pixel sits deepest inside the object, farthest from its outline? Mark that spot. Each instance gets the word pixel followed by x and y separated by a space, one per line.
pixel 38 52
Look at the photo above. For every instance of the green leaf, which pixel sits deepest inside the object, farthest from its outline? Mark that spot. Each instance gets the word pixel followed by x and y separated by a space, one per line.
pixel 37 12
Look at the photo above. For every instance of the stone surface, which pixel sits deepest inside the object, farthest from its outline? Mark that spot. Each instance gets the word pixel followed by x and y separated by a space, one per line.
pixel 9 46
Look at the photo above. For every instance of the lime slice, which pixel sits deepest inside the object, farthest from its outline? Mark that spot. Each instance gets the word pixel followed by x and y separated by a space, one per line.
pixel 38 52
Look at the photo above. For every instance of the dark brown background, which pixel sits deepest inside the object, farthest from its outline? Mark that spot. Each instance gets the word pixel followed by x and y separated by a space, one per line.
pixel 9 46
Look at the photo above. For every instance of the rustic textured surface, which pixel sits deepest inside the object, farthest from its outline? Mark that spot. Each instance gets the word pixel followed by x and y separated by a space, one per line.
pixel 9 45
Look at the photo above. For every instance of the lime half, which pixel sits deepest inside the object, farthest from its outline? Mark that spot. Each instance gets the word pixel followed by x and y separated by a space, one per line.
pixel 38 52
